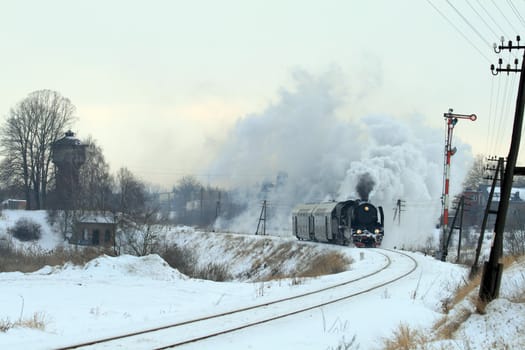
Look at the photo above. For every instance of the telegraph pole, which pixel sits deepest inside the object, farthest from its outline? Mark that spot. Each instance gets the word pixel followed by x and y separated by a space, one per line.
pixel 498 174
pixel 491 279
pixel 452 120
pixel 400 204
pixel 218 207
pixel 459 213
pixel 262 219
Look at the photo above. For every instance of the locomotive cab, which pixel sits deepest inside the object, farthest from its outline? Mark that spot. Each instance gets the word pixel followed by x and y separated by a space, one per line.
pixel 367 225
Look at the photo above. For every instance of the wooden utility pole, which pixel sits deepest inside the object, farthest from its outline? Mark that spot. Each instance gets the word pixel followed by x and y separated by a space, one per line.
pixel 262 220
pixel 491 279
pixel 498 173
pixel 400 204
pixel 218 206
pixel 458 213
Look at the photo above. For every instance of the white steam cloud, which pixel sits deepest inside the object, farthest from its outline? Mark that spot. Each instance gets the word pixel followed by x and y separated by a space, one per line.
pixel 298 150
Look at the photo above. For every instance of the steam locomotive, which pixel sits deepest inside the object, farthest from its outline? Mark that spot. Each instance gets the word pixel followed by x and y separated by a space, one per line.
pixel 355 221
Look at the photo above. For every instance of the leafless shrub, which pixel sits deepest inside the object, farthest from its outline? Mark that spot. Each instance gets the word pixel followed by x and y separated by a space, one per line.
pixel 26 230
pixel 182 259
pixel 515 242
pixel 297 281
pixel 213 272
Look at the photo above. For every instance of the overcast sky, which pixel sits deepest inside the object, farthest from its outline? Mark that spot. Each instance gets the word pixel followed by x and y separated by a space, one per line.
pixel 160 83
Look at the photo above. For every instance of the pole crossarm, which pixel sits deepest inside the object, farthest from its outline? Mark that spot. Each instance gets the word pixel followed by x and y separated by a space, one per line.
pixel 498 48
pixel 519 170
pixel 493 268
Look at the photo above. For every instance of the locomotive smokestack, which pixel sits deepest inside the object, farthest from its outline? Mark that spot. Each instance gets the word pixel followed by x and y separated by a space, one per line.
pixel 365 185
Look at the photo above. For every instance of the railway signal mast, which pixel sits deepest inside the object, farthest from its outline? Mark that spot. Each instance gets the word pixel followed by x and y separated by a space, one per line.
pixel 452 120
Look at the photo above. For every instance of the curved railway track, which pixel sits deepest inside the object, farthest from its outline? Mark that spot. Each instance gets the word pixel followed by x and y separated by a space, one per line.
pixel 194 330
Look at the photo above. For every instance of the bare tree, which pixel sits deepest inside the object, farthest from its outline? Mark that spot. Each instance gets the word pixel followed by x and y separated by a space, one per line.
pixel 140 233
pixel 185 193
pixel 26 137
pixel 95 180
pixel 131 193
pixel 476 174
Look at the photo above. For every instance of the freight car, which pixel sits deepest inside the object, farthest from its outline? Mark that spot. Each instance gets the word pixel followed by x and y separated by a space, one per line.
pixel 355 221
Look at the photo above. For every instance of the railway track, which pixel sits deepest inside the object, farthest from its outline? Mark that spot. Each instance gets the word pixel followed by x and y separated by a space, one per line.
pixel 190 331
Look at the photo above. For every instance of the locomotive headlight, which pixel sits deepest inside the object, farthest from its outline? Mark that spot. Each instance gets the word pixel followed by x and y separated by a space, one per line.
pixel 359 232
pixel 366 208
pixel 376 231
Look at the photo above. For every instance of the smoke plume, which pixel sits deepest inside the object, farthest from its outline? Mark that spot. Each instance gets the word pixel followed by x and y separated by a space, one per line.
pixel 325 156
pixel 364 186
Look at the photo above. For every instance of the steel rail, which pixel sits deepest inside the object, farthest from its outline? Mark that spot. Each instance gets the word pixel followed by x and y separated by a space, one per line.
pixel 253 307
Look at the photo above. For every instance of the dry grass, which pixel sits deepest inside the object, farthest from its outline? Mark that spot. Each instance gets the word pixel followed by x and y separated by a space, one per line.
pixel 319 265
pixel 447 326
pixel 508 260
pixel 37 321
pixel 405 338
pixel 464 290
pixel 34 259
pixel 325 264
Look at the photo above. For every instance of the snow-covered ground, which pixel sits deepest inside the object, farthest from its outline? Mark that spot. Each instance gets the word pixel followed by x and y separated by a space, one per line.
pixel 113 295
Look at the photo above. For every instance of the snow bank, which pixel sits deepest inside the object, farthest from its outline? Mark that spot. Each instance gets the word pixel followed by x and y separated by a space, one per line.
pixel 122 267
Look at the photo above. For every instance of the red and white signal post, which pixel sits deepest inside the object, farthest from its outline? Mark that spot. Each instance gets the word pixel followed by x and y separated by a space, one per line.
pixel 452 120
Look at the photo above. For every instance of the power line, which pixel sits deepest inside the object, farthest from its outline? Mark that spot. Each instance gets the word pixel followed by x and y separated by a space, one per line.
pixel 503 117
pixel 459 31
pixel 492 18
pixel 503 14
pixel 482 19
pixel 492 139
pixel 508 113
pixel 516 12
pixel 469 24
pixel 490 116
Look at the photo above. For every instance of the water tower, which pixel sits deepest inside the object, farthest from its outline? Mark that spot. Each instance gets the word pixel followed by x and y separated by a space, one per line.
pixel 68 155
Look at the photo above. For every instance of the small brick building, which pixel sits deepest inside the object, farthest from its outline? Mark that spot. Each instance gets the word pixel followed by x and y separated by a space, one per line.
pixel 94 230
pixel 14 204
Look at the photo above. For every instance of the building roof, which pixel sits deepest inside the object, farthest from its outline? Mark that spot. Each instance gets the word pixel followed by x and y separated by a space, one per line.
pixel 97 219
pixel 68 139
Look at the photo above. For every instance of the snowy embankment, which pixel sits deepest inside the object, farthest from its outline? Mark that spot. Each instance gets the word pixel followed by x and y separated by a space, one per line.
pixel 110 296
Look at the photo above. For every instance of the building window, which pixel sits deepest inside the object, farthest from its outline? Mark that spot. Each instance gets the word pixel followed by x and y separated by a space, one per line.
pixel 107 236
